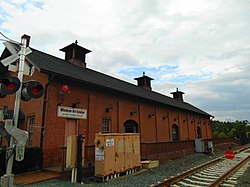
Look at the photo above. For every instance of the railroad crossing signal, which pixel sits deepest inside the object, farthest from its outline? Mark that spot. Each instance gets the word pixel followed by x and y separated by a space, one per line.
pixel 14 57
pixel 9 85
pixel 32 89
pixel 20 136
pixel 7 179
pixel 15 54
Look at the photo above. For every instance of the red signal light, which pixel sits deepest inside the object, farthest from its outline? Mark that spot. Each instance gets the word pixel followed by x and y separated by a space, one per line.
pixel 32 89
pixel 35 91
pixel 11 86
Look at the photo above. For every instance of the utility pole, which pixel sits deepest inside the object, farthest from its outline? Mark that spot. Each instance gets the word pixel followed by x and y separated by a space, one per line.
pixel 8 179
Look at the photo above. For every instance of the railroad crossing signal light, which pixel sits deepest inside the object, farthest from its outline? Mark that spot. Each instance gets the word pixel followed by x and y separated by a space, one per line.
pixel 9 85
pixel 32 89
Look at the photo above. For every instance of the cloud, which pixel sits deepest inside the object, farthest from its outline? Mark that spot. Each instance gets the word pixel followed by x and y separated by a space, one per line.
pixel 200 46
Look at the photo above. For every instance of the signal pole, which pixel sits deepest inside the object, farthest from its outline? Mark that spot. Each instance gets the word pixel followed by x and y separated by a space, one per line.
pixel 8 179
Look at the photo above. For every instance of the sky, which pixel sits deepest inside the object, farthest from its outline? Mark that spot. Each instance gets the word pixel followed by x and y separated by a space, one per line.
pixel 201 47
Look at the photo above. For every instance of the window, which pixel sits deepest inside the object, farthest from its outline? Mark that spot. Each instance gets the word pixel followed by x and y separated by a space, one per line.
pixel 31 125
pixel 130 126
pixel 106 125
pixel 175 132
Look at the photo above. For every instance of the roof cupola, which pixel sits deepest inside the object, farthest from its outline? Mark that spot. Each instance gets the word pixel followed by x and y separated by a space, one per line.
pixel 144 82
pixel 76 54
pixel 178 95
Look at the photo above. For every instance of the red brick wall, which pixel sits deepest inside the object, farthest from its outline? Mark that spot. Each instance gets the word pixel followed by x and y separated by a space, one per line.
pixel 153 128
pixel 163 126
pixel 35 107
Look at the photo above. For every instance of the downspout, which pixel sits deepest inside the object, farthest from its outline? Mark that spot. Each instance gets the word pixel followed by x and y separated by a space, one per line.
pixel 51 77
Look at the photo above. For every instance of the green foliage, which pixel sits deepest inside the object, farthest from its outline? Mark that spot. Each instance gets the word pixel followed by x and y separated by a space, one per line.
pixel 232 133
pixel 230 129
pixel 222 135
pixel 216 134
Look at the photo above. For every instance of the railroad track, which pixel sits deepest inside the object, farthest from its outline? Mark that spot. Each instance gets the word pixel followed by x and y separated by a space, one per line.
pixel 219 172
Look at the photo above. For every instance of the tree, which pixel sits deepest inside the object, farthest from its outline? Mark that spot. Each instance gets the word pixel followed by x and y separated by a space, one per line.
pixel 238 129
pixel 231 133
pixel 222 135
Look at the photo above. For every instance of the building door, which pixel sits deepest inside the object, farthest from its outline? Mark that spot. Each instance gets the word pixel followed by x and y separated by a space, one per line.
pixel 71 128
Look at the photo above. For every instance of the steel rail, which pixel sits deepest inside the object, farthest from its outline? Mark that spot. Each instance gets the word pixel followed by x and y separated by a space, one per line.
pixel 229 172
pixel 175 179
pixel 179 177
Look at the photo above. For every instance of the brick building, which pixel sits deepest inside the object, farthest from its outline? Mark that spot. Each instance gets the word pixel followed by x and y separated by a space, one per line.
pixel 96 102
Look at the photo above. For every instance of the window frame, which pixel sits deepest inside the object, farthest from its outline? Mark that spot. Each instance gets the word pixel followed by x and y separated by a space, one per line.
pixel 30 129
pixel 106 125
pixel 175 133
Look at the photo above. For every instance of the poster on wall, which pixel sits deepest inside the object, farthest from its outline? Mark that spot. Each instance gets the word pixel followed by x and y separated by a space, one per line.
pixel 69 112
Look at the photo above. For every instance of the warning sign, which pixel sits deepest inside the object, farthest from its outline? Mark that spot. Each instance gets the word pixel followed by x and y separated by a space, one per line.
pixel 110 142
pixel 99 154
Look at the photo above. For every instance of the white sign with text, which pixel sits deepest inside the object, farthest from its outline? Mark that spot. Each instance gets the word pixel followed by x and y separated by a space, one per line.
pixel 68 112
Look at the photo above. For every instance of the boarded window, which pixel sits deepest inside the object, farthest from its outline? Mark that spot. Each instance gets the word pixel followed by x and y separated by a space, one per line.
pixel 199 134
pixel 175 132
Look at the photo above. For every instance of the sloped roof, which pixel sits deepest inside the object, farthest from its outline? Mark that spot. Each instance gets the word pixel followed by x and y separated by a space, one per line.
pixel 50 64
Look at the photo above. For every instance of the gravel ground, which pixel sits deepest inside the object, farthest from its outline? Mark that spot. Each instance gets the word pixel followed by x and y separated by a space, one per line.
pixel 152 176
pixel 244 181
pixel 162 172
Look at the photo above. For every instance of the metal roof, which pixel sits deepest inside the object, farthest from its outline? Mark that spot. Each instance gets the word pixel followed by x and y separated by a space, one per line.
pixel 50 64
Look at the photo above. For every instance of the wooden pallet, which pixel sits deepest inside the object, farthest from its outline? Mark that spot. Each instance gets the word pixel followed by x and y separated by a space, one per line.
pixel 148 164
